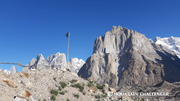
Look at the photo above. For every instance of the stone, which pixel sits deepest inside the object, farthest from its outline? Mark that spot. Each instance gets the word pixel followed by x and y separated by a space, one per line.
pixel 10 83
pixel 93 89
pixel 23 74
pixel 19 99
pixel 112 90
pixel 24 95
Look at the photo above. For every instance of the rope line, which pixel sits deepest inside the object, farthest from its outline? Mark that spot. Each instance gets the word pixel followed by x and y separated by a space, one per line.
pixel 16 64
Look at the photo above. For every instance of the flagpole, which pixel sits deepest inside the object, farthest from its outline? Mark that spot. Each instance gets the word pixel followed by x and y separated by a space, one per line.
pixel 68 50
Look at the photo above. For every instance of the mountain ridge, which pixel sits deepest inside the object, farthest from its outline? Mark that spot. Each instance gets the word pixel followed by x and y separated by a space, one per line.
pixel 57 61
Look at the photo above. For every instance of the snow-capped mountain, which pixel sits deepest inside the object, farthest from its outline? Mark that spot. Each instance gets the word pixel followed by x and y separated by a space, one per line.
pixel 173 43
pixel 76 64
pixel 57 60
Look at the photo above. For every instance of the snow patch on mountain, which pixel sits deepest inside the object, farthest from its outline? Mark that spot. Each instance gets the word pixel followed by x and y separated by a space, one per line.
pixel 76 64
pixel 173 43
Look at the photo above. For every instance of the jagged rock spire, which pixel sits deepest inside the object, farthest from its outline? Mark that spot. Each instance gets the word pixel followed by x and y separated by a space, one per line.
pixel 58 61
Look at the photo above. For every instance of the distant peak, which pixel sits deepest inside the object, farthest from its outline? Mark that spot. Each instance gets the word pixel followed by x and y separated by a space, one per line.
pixel 40 56
pixel 58 54
pixel 156 38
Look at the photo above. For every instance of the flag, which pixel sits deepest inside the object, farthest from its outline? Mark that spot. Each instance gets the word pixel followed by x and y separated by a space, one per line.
pixel 67 35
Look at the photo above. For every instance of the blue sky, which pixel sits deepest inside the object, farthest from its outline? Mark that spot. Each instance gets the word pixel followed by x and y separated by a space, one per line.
pixel 32 27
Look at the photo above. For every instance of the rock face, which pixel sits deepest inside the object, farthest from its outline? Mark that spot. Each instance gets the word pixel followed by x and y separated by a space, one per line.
pixel 13 70
pixel 172 43
pixel 58 61
pixel 126 57
pixel 41 62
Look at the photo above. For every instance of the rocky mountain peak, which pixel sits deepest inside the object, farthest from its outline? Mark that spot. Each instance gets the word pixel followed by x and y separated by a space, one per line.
pixel 126 57
pixel 58 54
pixel 32 62
pixel 115 29
pixel 40 57
pixel 40 62
pixel 119 39
pixel 58 61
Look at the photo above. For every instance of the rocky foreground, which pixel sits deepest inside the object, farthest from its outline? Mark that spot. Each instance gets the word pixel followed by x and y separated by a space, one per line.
pixel 52 85
pixel 58 85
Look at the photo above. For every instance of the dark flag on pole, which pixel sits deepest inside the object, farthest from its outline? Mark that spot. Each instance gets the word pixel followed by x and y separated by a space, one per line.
pixel 67 35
